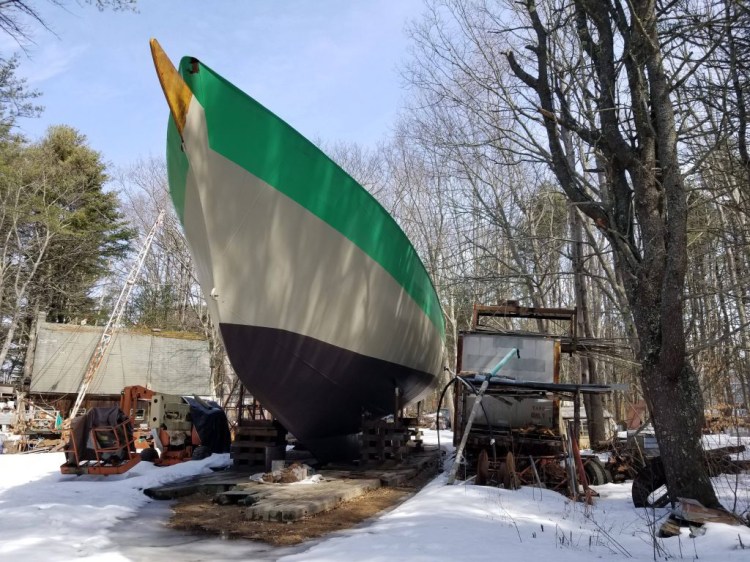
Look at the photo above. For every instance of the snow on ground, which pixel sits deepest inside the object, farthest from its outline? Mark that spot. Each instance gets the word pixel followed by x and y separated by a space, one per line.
pixel 47 516
pixel 470 523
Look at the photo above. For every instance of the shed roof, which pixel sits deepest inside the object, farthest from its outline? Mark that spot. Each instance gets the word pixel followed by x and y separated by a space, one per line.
pixel 165 364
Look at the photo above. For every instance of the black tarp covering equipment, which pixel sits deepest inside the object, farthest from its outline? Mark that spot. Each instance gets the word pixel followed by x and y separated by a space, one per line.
pixel 81 436
pixel 210 423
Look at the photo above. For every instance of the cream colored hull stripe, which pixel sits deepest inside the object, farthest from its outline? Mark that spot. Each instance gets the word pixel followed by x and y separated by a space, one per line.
pixel 272 263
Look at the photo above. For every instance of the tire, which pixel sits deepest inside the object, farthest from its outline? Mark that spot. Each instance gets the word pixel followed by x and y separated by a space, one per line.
pixel 649 479
pixel 596 474
pixel 483 469
pixel 149 454
pixel 201 452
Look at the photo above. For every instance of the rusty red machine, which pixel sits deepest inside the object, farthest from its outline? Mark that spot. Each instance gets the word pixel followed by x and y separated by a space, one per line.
pixel 147 425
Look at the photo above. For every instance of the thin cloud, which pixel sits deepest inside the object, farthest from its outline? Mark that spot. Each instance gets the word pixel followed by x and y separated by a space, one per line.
pixel 51 61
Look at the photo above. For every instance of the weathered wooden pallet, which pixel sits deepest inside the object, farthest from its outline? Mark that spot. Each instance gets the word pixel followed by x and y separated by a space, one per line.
pixel 383 440
pixel 259 432
pixel 255 443
pixel 252 440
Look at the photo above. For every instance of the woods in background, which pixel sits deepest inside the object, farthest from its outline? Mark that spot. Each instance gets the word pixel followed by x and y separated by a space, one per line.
pixel 60 232
pixel 560 153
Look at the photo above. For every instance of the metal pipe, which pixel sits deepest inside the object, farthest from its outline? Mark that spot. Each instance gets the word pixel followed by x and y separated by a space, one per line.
pixel 474 410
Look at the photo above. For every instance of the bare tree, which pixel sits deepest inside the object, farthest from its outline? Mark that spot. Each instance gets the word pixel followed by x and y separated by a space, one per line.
pixel 17 17
pixel 168 295
pixel 644 213
pixel 569 84
pixel 24 250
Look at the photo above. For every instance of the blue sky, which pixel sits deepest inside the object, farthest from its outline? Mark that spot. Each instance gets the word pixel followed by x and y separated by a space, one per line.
pixel 328 67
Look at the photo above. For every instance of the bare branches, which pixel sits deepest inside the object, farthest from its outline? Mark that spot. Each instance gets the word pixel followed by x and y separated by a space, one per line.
pixel 17 17
pixel 13 14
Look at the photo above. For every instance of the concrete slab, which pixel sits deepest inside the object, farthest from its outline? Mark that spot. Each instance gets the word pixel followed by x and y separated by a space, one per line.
pixel 291 502
pixel 208 483
pixel 392 478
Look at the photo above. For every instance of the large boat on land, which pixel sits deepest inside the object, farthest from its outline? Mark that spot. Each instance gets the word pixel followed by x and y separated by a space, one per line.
pixel 325 309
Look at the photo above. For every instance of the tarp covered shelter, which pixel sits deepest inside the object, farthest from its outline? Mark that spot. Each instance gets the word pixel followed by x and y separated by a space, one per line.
pixel 172 365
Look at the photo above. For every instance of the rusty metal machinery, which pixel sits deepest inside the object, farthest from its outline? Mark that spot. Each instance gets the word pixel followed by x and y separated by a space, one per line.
pixel 517 437
pixel 100 450
pixel 147 426
pixel 162 423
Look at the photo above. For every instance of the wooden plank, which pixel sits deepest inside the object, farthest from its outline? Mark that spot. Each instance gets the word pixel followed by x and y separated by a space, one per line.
pixel 258 423
pixel 270 431
pixel 691 510
pixel 249 456
pixel 244 445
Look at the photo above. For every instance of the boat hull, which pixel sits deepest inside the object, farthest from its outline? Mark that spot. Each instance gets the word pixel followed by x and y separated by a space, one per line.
pixel 317 390
pixel 324 307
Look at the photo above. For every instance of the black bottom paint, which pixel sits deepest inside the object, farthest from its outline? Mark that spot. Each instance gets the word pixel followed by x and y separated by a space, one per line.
pixel 317 390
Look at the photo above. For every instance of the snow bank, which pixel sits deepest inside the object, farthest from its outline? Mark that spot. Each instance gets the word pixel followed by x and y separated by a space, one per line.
pixel 473 523
pixel 45 515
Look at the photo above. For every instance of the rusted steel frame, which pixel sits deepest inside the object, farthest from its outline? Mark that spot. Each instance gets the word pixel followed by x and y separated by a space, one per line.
pixel 117 430
pixel 554 461
pixel 581 472
pixel 511 310
pixel 97 466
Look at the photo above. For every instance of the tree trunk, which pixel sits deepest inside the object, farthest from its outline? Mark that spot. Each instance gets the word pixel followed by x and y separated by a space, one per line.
pixel 592 402
pixel 28 365
pixel 644 210
pixel 9 335
pixel 677 411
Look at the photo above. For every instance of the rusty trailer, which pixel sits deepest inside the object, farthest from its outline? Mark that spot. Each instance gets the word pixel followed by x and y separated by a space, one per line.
pixel 517 436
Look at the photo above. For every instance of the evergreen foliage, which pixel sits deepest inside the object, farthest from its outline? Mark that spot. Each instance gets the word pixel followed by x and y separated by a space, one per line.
pixel 60 230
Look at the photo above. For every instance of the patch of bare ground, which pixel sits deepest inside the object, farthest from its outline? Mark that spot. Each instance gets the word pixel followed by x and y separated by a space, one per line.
pixel 198 514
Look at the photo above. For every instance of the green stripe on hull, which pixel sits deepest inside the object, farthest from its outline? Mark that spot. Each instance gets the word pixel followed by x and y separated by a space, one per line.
pixel 177 169
pixel 245 132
